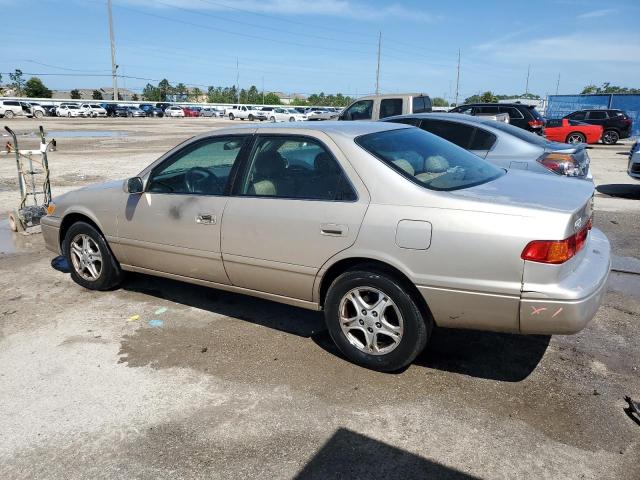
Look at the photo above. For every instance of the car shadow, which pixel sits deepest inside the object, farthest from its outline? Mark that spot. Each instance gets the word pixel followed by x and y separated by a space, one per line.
pixel 620 190
pixel 348 454
pixel 496 356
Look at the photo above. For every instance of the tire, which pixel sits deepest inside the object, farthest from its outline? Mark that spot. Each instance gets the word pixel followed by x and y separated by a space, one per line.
pixel 251 118
pixel 411 326
pixel 272 119
pixel 15 224
pixel 610 137
pixel 291 119
pixel 8 114
pixel 68 114
pixel 231 117
pixel 575 138
pixel 38 114
pixel 109 274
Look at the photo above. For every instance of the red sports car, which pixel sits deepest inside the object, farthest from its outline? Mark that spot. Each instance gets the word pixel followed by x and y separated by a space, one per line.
pixel 572 131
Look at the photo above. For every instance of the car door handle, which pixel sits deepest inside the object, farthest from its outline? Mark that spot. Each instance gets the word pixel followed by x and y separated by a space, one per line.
pixel 206 219
pixel 334 230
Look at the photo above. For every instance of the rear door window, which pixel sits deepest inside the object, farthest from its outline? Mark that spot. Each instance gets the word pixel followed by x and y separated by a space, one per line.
pixel 597 115
pixel 457 133
pixel 421 104
pixel 577 115
pixel 482 140
pixel 487 110
pixel 390 107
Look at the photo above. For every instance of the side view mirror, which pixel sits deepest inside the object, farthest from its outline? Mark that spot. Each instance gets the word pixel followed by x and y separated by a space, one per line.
pixel 134 185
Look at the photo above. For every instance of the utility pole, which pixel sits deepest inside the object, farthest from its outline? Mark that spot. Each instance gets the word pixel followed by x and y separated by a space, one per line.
pixel 458 79
pixel 526 88
pixel 263 90
pixel 114 66
pixel 378 69
pixel 238 79
pixel 558 84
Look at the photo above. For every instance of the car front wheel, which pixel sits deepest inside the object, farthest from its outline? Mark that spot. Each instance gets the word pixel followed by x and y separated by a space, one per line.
pixel 374 320
pixel 91 262
pixel 610 137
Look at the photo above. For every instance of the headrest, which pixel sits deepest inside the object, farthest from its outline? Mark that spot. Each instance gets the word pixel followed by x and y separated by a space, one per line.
pixel 269 164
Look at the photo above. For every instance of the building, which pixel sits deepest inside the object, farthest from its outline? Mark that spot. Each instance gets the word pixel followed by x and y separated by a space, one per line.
pixel 288 99
pixel 87 93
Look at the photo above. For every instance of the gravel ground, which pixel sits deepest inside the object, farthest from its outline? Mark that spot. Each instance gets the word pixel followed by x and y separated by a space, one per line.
pixel 235 387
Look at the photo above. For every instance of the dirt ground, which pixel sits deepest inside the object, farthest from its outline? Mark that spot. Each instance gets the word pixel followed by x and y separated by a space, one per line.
pixel 229 386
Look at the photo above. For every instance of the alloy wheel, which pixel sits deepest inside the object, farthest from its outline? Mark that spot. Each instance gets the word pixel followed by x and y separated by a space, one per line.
pixel 86 257
pixel 575 138
pixel 370 320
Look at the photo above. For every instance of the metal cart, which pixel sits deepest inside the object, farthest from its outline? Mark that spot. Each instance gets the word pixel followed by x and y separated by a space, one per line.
pixel 33 179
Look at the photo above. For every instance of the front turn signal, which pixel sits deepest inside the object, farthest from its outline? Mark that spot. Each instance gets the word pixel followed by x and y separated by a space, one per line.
pixel 51 208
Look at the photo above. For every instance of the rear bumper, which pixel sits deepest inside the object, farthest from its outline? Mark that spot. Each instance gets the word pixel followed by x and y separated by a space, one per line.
pixel 575 300
pixel 51 233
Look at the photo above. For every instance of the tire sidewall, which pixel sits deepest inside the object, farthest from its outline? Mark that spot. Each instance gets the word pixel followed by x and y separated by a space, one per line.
pixel 416 329
pixel 111 273
pixel 577 134
pixel 606 142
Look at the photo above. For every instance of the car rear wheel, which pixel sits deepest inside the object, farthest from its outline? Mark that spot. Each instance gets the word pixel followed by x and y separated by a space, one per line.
pixel 93 266
pixel 610 137
pixel 374 321
pixel 38 114
pixel 576 137
pixel 8 114
pixel 291 119
pixel 272 119
pixel 251 118
pixel 231 117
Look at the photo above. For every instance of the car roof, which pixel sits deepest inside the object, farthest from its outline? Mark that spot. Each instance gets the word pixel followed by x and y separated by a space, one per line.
pixel 497 105
pixel 348 129
pixel 458 117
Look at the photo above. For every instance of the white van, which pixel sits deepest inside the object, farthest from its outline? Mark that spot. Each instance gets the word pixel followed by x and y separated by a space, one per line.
pixel 375 107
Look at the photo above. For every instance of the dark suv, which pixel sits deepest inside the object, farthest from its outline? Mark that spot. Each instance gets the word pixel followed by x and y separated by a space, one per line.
pixel 616 124
pixel 520 115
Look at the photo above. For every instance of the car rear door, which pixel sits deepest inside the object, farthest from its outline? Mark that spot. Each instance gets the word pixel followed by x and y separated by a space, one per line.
pixel 597 117
pixel 296 204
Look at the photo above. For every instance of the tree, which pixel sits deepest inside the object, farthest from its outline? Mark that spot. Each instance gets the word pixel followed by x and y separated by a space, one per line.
pixel 135 97
pixel 165 89
pixel 0 83
pixel 271 99
pixel 97 95
pixel 488 97
pixel 195 94
pixel 75 94
pixel 151 93
pixel 34 88
pixel 439 102
pixel 608 88
pixel 17 82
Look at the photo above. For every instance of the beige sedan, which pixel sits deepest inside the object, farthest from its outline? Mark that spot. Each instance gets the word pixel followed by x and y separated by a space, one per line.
pixel 387 228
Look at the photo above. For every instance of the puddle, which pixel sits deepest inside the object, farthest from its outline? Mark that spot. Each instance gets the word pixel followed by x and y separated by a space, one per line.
pixel 8 238
pixel 84 133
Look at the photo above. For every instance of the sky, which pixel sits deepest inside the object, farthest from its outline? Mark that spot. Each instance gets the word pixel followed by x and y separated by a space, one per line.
pixel 309 46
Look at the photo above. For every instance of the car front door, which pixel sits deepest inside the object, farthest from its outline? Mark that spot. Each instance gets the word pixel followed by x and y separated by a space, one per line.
pixel 174 226
pixel 297 203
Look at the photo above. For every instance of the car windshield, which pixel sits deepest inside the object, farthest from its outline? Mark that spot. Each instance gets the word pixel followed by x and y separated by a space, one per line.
pixel 428 160
pixel 291 110
pixel 73 107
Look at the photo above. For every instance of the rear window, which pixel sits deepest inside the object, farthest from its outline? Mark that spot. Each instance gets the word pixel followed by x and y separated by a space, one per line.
pixel 428 160
pixel 390 107
pixel 597 115
pixel 421 104
pixel 534 112
pixel 520 133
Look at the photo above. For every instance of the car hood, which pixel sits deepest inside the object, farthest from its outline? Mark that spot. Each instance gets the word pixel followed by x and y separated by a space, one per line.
pixel 521 189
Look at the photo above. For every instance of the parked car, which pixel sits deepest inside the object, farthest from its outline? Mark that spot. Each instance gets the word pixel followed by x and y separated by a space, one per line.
pixel 121 111
pixel 191 111
pixel 210 112
pixel 336 223
pixel 246 112
pixel 320 113
pixel 375 107
pixel 110 108
pixel 135 112
pixel 572 131
pixel 280 114
pixel 163 106
pixel 633 168
pixel 173 111
pixel 93 110
pixel 50 110
pixel 616 124
pixel 520 114
pixel 151 111
pixel 17 108
pixel 69 111
pixel 502 144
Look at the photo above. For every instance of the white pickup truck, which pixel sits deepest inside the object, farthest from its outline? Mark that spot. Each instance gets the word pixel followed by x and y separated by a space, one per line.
pixel 246 112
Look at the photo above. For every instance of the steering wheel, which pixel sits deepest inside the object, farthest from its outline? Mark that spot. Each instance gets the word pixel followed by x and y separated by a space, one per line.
pixel 197 175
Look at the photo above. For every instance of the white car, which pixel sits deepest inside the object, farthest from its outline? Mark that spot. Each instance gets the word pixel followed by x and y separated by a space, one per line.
pixel 93 110
pixel 247 112
pixel 174 111
pixel 69 111
pixel 286 115
pixel 13 108
pixel 320 114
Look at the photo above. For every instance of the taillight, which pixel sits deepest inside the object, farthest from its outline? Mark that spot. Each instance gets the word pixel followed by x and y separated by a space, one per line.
pixel 556 251
pixel 536 123
pixel 561 163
